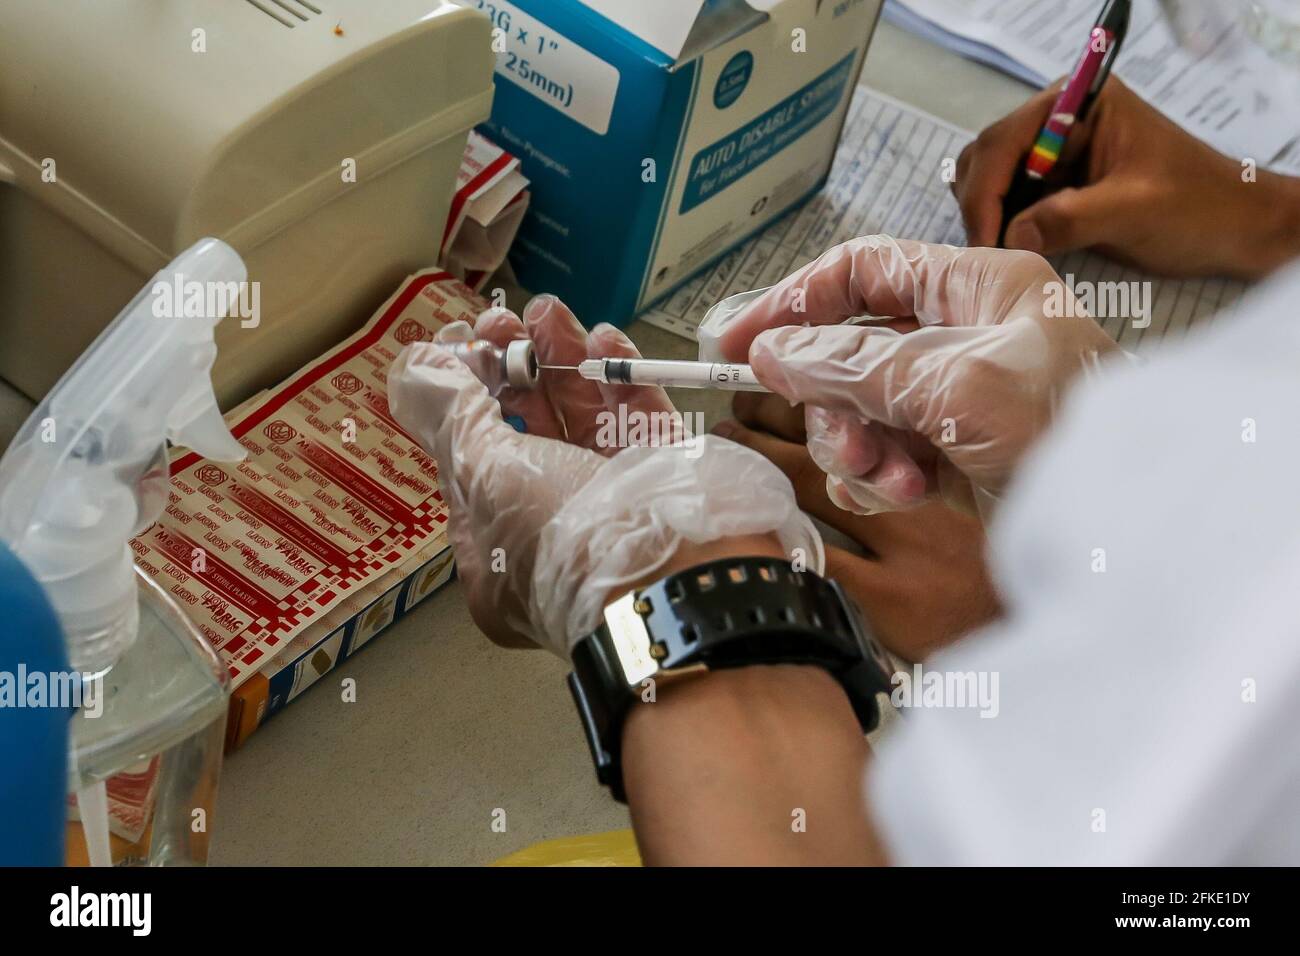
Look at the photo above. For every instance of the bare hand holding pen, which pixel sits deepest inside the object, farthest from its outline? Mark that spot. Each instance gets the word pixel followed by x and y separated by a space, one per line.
pixel 1136 187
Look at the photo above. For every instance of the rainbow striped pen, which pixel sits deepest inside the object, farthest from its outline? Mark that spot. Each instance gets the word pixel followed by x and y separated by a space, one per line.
pixel 1070 108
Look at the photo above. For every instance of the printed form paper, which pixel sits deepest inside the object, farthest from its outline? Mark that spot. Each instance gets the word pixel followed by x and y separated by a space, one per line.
pixel 1229 95
pixel 887 178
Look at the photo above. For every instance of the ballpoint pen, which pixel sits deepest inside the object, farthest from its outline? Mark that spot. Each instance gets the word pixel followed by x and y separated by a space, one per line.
pixel 1070 108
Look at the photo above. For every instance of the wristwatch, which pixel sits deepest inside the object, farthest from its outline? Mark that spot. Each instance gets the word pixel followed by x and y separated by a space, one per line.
pixel 730 613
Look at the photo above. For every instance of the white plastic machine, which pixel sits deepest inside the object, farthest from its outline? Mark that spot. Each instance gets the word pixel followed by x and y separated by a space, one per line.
pixel 129 129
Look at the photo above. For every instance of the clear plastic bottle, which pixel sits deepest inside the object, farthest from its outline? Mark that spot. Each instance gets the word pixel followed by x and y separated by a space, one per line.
pixel 87 472
pixel 156 747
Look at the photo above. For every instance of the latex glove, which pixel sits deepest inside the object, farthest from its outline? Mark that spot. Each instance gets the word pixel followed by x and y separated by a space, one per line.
pixel 945 397
pixel 1136 186
pixel 545 531
pixel 565 405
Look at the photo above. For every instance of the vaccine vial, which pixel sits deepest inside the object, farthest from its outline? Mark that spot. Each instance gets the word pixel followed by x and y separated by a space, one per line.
pixel 514 366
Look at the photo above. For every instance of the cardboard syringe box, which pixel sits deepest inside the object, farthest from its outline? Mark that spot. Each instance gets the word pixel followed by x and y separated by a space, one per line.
pixel 659 135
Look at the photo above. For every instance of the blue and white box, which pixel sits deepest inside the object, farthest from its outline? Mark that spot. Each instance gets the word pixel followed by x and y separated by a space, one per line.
pixel 658 134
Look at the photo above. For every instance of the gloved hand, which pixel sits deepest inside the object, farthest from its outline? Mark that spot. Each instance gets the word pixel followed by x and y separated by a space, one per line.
pixel 545 530
pixel 567 406
pixel 942 398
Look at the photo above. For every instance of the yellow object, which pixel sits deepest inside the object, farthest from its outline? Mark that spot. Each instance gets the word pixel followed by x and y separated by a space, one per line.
pixel 615 848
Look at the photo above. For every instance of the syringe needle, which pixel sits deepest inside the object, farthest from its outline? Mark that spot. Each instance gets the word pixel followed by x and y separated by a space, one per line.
pixel 559 368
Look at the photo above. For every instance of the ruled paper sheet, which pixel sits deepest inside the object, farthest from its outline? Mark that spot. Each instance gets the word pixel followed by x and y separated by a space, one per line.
pixel 888 178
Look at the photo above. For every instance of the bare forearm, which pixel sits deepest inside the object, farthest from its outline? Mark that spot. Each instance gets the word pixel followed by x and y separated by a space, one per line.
pixel 758 765
pixel 754 766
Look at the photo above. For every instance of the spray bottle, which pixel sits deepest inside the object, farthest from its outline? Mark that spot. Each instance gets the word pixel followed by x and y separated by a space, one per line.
pixel 88 472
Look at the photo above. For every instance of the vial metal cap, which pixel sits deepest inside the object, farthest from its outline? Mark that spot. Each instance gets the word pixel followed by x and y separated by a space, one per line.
pixel 522 370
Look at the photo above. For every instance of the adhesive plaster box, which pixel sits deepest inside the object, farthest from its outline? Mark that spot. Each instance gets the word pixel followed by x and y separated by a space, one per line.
pixel 304 662
pixel 659 135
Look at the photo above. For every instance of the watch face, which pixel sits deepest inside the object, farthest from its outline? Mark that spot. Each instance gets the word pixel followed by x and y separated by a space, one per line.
pixel 631 640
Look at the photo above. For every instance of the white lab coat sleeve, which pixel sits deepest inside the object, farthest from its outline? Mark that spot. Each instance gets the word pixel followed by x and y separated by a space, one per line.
pixel 1148 667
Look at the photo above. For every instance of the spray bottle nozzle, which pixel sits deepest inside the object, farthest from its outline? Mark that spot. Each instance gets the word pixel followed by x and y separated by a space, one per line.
pixel 76 485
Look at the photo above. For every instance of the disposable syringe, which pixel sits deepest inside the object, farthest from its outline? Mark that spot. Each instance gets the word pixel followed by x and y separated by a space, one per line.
pixel 668 373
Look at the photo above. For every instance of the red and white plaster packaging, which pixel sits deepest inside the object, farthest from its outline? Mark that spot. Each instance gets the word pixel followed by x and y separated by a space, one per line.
pixel 333 503
pixel 486 212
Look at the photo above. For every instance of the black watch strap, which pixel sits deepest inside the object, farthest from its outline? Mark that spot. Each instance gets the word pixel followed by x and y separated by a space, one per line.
pixel 731 613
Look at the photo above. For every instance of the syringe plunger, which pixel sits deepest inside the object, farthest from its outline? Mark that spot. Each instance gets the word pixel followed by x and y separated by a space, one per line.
pixel 725 376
